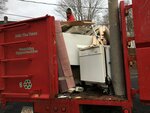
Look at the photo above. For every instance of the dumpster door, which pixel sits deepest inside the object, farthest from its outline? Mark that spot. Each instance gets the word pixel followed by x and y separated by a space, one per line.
pixel 141 15
pixel 28 65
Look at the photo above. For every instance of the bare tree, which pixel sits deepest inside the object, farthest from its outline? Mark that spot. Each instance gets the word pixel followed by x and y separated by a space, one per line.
pixel 83 9
pixel 3 6
pixel 129 21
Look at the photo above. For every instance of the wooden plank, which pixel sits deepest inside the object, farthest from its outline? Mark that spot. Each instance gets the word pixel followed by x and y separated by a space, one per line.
pixel 63 60
pixel 77 23
pixel 79 30
pixel 62 82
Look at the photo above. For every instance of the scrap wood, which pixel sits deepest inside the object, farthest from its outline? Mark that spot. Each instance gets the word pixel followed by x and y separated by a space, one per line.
pixel 76 23
pixel 63 61
pixel 100 39
pixel 79 30
pixel 70 25
pixel 62 83
pixel 104 30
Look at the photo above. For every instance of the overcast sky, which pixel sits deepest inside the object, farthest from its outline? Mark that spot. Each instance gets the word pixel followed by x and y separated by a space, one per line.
pixel 28 9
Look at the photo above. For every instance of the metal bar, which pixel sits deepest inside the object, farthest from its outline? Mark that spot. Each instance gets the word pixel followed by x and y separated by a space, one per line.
pixel 13 26
pixel 130 39
pixel 126 55
pixel 16 76
pixel 15 59
pixel 16 42
pixel 2 65
pixel 127 7
pixel 16 95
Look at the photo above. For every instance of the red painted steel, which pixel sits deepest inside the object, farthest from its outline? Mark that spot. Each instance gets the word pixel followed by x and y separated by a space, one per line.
pixel 28 66
pixel 143 55
pixel 141 9
pixel 141 17
pixel 125 52
pixel 61 106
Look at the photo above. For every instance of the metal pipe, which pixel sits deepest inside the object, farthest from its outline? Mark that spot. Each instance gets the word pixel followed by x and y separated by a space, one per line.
pixel 116 54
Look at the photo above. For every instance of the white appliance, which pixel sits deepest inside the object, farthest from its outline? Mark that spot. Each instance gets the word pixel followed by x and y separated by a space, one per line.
pixel 95 64
pixel 72 41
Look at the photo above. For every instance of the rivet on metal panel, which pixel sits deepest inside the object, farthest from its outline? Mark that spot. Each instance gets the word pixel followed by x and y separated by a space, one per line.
pixel 55 109
pixel 47 108
pixel 63 109
pixel 126 111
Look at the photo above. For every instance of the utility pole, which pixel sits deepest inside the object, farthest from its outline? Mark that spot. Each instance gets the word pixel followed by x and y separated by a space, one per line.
pixel 116 54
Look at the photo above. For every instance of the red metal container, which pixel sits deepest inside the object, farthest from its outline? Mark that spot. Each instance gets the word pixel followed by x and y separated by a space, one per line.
pixel 141 11
pixel 141 20
pixel 28 67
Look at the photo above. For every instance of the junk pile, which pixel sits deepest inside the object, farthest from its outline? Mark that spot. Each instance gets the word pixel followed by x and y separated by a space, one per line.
pixel 75 37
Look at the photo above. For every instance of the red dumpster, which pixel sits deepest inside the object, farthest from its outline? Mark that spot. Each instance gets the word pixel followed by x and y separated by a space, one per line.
pixel 28 60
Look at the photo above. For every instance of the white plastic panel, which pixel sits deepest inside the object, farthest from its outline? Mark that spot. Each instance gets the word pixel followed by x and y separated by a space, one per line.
pixel 92 65
pixel 72 41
